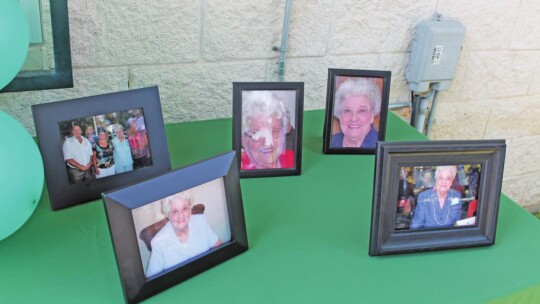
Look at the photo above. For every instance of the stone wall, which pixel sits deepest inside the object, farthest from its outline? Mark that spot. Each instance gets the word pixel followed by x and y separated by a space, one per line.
pixel 194 50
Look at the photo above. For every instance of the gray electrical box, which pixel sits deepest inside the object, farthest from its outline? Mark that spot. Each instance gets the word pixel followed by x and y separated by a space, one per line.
pixel 434 55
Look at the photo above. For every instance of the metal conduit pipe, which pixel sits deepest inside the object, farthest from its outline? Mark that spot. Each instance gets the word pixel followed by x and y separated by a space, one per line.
pixel 414 108
pixel 399 105
pixel 284 38
pixel 431 113
pixel 420 117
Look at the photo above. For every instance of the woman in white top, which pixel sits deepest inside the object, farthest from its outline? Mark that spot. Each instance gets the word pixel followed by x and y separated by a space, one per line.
pixel 183 237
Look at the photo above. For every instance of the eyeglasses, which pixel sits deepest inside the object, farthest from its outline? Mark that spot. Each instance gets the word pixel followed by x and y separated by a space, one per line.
pixel 348 113
pixel 260 135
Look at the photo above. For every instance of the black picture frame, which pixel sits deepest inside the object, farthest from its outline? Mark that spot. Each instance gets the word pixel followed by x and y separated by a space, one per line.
pixel 120 203
pixel 47 117
pixel 62 75
pixel 392 157
pixel 289 95
pixel 333 138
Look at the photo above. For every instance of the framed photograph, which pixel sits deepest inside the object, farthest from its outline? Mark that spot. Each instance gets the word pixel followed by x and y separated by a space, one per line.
pixel 177 225
pixel 356 110
pixel 267 127
pixel 94 144
pixel 435 195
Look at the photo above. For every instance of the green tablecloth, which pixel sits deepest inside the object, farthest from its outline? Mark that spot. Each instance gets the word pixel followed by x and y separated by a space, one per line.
pixel 308 236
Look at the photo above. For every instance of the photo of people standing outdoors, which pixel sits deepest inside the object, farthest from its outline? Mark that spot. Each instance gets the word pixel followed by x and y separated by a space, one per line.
pixel 112 143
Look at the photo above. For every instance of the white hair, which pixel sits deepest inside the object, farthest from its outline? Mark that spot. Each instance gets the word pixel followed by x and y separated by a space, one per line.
pixel 166 202
pixel 358 86
pixel 262 104
pixel 451 169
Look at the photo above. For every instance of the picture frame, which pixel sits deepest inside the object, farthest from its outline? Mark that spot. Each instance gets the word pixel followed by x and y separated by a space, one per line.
pixel 267 128
pixel 360 98
pixel 448 190
pixel 215 183
pixel 61 75
pixel 135 116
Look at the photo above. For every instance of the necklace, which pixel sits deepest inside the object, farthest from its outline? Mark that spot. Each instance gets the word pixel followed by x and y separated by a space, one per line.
pixel 435 216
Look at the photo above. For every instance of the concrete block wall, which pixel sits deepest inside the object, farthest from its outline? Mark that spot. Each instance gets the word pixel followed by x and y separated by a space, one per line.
pixel 194 50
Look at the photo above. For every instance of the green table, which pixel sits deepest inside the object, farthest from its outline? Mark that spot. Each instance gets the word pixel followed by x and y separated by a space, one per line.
pixel 308 237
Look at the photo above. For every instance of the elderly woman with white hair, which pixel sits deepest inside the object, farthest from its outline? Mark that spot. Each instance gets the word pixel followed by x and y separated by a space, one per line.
pixel 439 206
pixel 265 121
pixel 183 237
pixel 357 103
pixel 122 151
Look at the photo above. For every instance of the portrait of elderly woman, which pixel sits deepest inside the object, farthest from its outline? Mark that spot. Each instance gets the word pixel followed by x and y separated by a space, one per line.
pixel 122 151
pixel 184 235
pixel 440 206
pixel 357 102
pixel 266 128
pixel 356 110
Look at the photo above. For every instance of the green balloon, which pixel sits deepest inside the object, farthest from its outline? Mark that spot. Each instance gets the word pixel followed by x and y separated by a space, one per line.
pixel 21 175
pixel 14 40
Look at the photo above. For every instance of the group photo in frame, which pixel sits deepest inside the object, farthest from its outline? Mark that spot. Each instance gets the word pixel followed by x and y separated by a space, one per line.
pixel 118 143
pixel 356 110
pixel 172 227
pixel 435 195
pixel 93 144
pixel 267 127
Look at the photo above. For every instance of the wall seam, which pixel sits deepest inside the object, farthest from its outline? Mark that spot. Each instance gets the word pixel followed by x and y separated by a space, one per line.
pixel 202 5
pixel 513 31
pixel 330 29
pixel 484 132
